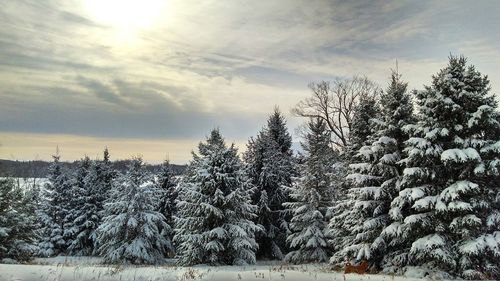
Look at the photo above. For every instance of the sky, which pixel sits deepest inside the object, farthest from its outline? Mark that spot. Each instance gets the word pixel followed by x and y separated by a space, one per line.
pixel 152 77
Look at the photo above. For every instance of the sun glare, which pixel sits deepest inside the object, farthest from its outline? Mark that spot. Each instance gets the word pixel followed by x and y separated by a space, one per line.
pixel 126 17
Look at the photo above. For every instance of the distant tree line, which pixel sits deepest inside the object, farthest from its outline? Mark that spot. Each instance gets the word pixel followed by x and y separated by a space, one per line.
pixel 399 179
pixel 40 169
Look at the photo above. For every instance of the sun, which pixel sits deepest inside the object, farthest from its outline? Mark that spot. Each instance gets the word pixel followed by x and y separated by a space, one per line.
pixel 125 15
pixel 126 19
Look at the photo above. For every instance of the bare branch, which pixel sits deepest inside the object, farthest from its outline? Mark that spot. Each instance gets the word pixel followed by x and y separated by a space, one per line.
pixel 335 103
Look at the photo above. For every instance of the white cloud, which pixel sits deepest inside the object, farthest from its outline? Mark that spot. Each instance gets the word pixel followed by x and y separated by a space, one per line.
pixel 219 61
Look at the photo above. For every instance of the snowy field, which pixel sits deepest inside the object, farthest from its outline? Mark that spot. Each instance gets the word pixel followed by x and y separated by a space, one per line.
pixel 89 268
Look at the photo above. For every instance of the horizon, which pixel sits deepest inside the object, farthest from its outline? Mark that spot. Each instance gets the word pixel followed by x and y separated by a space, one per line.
pixel 153 77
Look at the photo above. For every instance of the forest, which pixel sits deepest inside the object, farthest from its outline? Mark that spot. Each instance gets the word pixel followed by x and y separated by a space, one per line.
pixel 390 176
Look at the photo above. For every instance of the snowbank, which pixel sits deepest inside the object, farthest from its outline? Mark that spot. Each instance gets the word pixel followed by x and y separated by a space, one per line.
pixel 86 268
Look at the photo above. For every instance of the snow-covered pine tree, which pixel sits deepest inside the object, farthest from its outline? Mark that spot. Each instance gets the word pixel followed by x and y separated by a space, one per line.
pixel 87 213
pixel 34 203
pixel 17 235
pixel 54 210
pixel 76 204
pixel 362 129
pixel 105 176
pixel 448 206
pixel 98 186
pixel 376 175
pixel 214 211
pixel 165 182
pixel 312 194
pixel 108 173
pixel 396 113
pixel 345 222
pixel 270 168
pixel 131 231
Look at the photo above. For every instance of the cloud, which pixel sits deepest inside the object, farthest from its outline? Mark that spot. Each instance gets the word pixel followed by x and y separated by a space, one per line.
pixel 217 63
pixel 29 146
pixel 100 90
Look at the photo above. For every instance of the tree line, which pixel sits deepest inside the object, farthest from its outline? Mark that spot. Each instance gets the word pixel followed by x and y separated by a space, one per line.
pixel 395 177
pixel 28 170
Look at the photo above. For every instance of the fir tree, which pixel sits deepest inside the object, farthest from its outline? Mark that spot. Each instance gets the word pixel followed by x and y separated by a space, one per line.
pixel 312 194
pixel 446 213
pixel 103 180
pixel 88 211
pixel 346 219
pixel 132 230
pixel 34 203
pixel 376 175
pixel 166 183
pixel 54 210
pixel 76 205
pixel 214 218
pixel 270 168
pixel 99 184
pixel 17 235
pixel 108 172
pixel 362 130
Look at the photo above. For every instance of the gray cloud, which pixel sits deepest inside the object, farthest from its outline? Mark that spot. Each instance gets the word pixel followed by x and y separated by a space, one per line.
pixel 127 111
pixel 101 91
pixel 70 17
pixel 224 63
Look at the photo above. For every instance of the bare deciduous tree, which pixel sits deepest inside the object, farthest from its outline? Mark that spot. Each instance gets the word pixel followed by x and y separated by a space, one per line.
pixel 335 103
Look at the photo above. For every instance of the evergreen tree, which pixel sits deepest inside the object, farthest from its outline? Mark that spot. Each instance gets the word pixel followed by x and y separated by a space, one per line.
pixel 342 222
pixel 376 175
pixel 446 215
pixel 312 194
pixel 132 230
pixel 72 224
pixel 98 187
pixel 166 183
pixel 108 173
pixel 87 217
pixel 34 203
pixel 270 168
pixel 103 180
pixel 362 129
pixel 346 219
pixel 54 210
pixel 214 218
pixel 17 235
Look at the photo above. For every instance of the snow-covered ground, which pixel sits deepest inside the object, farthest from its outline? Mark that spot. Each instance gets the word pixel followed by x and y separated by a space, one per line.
pixel 89 268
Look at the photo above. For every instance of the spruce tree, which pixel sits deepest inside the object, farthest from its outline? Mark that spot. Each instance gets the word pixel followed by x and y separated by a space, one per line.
pixel 99 185
pixel 88 211
pixel 103 180
pixel 312 194
pixel 270 168
pixel 108 172
pixel 447 210
pixel 54 210
pixel 346 218
pixel 17 235
pixel 214 218
pixel 34 203
pixel 165 182
pixel 362 128
pixel 72 224
pixel 376 175
pixel 132 230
